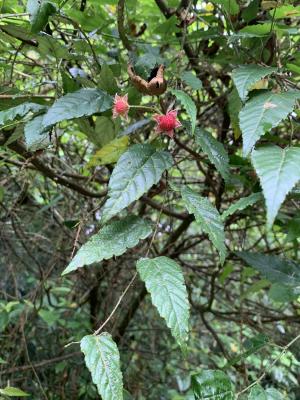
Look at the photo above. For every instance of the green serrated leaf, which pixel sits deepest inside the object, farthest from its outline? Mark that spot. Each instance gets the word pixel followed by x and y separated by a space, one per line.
pixel 212 385
pixel 208 217
pixel 214 150
pixel 274 268
pixel 11 391
pixel 191 79
pixel 241 204
pixel 103 360
pixel 245 76
pixel 40 11
pixel 278 170
pixel 19 111
pixel 112 240
pixel 77 104
pixel 110 153
pixel 36 136
pixel 188 104
pixel 257 393
pixel 137 170
pixel 262 113
pixel 165 282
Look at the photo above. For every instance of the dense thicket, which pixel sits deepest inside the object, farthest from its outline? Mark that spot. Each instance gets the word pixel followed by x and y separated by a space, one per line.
pixel 152 254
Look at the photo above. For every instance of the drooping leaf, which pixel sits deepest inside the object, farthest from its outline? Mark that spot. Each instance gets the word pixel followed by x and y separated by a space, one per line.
pixel 110 153
pixel 137 170
pixel 262 113
pixel 214 150
pixel 257 393
pixel 212 385
pixel 278 170
pixel 208 218
pixel 241 204
pixel 77 104
pixel 19 111
pixel 112 240
pixel 40 11
pixel 188 104
pixel 245 76
pixel 274 268
pixel 103 360
pixel 36 136
pixel 11 391
pixel 190 79
pixel 165 282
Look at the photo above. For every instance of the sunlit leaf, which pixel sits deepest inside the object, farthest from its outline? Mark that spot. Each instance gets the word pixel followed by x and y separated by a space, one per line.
pixel 110 153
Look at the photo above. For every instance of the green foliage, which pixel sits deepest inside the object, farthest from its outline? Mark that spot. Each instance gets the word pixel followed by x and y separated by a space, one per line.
pixel 19 111
pixel 262 113
pixel 257 393
pixel 274 268
pixel 214 150
pixel 241 204
pixel 36 136
pixel 11 391
pixel 112 240
pixel 155 214
pixel 165 282
pixel 103 360
pixel 190 79
pixel 210 384
pixel 207 217
pixel 40 11
pixel 278 170
pixel 77 104
pixel 110 153
pixel 246 76
pixel 139 168
pixel 188 104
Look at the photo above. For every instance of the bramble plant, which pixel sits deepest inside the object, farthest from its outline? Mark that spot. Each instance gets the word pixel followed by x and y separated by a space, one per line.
pixel 149 192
